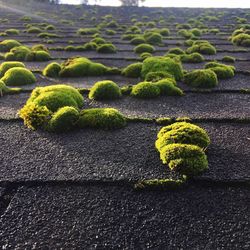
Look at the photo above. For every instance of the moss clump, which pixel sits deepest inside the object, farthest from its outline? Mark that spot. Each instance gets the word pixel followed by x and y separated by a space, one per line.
pixel 153 38
pixel 201 78
pixel 105 90
pixel 133 70
pixel 144 48
pixel 52 70
pixel 176 51
pixel 77 67
pixel 106 48
pixel 7 45
pixel 18 76
pixel 157 76
pixel 87 31
pixel 103 118
pixel 145 90
pixel 12 32
pixel 168 88
pixel 222 71
pixel 64 119
pixel 34 30
pixel 192 58
pixel 230 59
pixel 184 133
pixel 189 160
pixel 138 40
pixel 202 47
pixel 145 55
pixel 42 56
pixel 241 39
pixel 162 64
pixel 5 66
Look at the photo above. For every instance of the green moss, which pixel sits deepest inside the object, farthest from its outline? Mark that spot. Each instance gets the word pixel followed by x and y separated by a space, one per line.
pixel 202 47
pixel 50 27
pixel 222 71
pixel 201 78
pixel 103 118
pixel 110 32
pixel 196 32
pixel 18 76
pixel 87 31
pixel 105 90
pixel 52 70
pixel 7 45
pixel 133 70
pixel 138 40
pixel 141 48
pixel 47 35
pixel 145 55
pixel 12 32
pixel 162 64
pixel 77 67
pixel 106 48
pixel 98 40
pixel 153 38
pixel 164 32
pixel 241 39
pixel 189 160
pixel 64 119
pixel 157 76
pixel 230 59
pixel 5 66
pixel 184 133
pixel 145 90
pixel 34 30
pixel 192 58
pixel 39 47
pixel 177 51
pixel 42 56
pixel 168 88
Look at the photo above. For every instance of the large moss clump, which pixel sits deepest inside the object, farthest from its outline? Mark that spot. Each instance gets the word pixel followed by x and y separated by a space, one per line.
pixel 201 78
pixel 81 66
pixel 181 146
pixel 222 71
pixel 52 70
pixel 145 90
pixel 241 37
pixel 105 90
pixel 162 64
pixel 18 76
pixel 5 66
pixel 133 70
pixel 103 118
pixel 168 88
pixel 202 47
pixel 7 45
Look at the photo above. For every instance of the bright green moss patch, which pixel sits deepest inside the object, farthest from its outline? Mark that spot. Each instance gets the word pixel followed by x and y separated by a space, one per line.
pixel 103 118
pixel 87 31
pixel 241 37
pixel 176 51
pixel 222 71
pixel 184 133
pixel 167 87
pixel 81 66
pixel 145 90
pixel 192 58
pixel 189 160
pixel 106 48
pixel 159 75
pixel 52 70
pixel 64 119
pixel 7 45
pixel 133 70
pixel 18 76
pixel 162 64
pixel 5 66
pixel 144 48
pixel 202 47
pixel 153 38
pixel 105 90
pixel 201 78
pixel 138 40
pixel 230 59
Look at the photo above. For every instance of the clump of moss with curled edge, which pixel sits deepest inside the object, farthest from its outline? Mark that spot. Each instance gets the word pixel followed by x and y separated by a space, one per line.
pixel 222 71
pixel 181 146
pixel 202 47
pixel 184 133
pixel 162 64
pixel 103 118
pixel 7 45
pixel 5 66
pixel 44 101
pixel 132 70
pixel 141 48
pixel 81 66
pixel 105 90
pixel 52 70
pixel 18 76
pixel 201 78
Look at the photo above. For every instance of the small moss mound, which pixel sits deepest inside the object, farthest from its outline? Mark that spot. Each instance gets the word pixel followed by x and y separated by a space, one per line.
pixel 5 66
pixel 133 70
pixel 204 48
pixel 64 119
pixel 176 51
pixel 18 76
pixel 157 76
pixel 105 90
pixel 222 71
pixel 189 160
pixel 144 48
pixel 192 58
pixel 162 64
pixel 52 70
pixel 145 90
pixel 241 39
pixel 103 118
pixel 81 66
pixel 168 88
pixel 138 40
pixel 201 78
pixel 153 38
pixel 7 45
pixel 106 48
pixel 230 59
pixel 184 133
